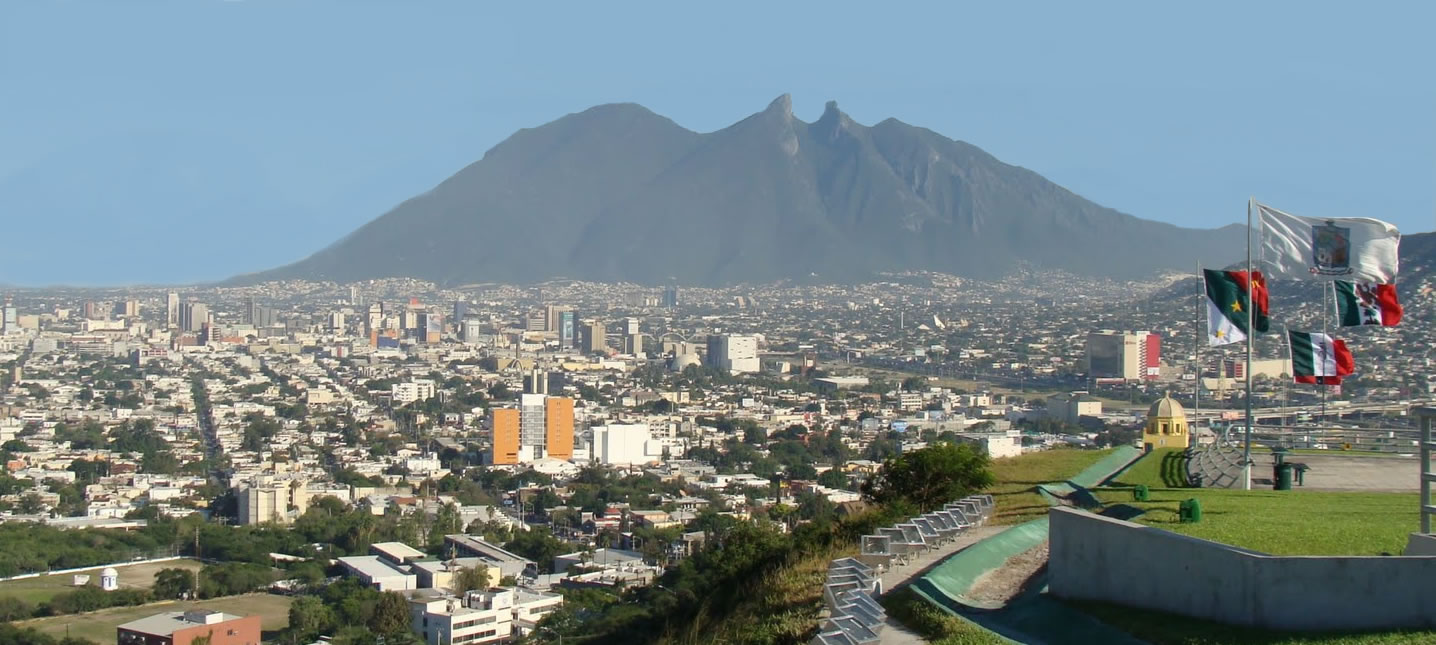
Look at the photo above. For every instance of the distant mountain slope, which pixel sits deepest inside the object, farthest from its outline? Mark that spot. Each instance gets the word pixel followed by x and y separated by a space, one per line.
pixel 619 193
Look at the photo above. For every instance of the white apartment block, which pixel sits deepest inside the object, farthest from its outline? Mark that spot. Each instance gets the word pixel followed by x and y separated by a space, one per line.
pixel 416 390
pixel 479 617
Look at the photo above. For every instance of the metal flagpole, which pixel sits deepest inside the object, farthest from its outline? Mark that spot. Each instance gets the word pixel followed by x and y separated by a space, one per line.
pixel 1251 336
pixel 1197 347
pixel 1328 289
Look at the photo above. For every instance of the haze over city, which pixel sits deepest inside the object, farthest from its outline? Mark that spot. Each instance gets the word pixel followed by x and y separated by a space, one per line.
pixel 193 141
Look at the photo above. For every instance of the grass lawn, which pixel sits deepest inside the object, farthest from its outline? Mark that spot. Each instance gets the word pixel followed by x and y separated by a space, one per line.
pixel 1160 628
pixel 99 626
pixel 933 624
pixel 1280 523
pixel 1285 523
pixel 1160 468
pixel 1017 502
pixel 135 576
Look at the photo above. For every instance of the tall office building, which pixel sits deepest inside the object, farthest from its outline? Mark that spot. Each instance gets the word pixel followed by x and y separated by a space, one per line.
pixel 670 296
pixel 172 309
pixel 536 382
pixel 593 337
pixel 97 310
pixel 630 326
pixel 542 426
pixel 355 298
pixel 733 353
pixel 193 315
pixel 461 310
pixel 1130 356
pixel 633 344
pixel 10 320
pixel 551 313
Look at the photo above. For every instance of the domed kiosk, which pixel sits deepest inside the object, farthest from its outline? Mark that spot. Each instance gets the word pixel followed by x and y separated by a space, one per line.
pixel 1166 425
pixel 110 579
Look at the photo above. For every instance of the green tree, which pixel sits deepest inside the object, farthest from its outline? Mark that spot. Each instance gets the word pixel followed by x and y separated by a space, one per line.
pixel 930 477
pixel 173 583
pixel 833 478
pixel 391 615
pixel 309 617
pixel 471 579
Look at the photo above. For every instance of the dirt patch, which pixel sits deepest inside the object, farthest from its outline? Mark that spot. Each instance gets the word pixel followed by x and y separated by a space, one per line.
pixel 1003 583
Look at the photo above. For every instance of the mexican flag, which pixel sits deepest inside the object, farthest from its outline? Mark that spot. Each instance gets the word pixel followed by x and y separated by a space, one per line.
pixel 1361 303
pixel 1319 359
pixel 1228 299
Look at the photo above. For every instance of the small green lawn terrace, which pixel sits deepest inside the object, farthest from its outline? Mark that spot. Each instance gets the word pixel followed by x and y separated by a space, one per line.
pixel 1280 523
pixel 1017 478
pixel 1277 522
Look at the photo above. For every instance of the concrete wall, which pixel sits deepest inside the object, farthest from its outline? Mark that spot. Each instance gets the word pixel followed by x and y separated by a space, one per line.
pixel 1420 544
pixel 1098 558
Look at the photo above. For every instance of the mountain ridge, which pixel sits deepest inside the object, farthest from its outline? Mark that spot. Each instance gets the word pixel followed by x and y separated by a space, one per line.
pixel 619 193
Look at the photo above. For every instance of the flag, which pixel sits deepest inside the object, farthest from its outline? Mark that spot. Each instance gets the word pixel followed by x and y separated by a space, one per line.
pixel 1359 303
pixel 1358 249
pixel 1318 358
pixel 1227 303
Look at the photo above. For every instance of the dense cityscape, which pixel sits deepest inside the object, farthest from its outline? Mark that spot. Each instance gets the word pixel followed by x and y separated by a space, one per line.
pixel 557 447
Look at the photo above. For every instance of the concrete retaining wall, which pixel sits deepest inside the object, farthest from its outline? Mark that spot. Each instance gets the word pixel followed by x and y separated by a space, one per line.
pixel 1098 558
pixel 1420 544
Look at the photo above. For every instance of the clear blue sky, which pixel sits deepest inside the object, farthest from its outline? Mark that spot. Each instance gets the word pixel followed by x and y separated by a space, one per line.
pixel 191 140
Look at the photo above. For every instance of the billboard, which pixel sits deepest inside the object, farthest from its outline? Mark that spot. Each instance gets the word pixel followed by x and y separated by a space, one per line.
pixel 566 329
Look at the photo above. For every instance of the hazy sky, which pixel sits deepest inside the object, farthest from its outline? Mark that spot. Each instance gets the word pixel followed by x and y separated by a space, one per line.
pixel 192 140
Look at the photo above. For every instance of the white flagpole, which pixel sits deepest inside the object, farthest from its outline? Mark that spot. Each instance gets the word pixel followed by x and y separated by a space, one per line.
pixel 1251 336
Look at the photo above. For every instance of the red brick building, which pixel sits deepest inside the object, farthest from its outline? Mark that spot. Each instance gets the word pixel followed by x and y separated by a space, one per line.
pixel 182 627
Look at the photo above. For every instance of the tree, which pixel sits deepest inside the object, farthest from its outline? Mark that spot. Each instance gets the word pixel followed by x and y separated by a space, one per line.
pixel 833 478
pixel 308 618
pixel 471 579
pixel 12 608
pixel 930 477
pixel 173 583
pixel 391 615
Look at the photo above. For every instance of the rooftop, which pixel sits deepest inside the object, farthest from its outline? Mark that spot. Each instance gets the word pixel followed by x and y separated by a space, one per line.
pixel 169 622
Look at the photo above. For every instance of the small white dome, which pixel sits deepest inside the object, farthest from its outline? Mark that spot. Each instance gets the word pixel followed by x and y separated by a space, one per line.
pixel 110 572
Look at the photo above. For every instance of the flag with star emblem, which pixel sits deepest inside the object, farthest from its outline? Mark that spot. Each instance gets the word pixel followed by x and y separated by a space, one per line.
pixel 1229 294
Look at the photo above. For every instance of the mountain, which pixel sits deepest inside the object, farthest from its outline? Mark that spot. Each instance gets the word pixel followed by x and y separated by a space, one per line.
pixel 618 193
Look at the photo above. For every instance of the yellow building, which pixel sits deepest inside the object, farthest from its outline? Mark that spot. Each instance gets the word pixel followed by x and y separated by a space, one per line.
pixel 1166 425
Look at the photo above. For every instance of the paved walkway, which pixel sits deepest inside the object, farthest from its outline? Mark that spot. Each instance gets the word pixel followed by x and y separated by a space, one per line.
pixel 898 577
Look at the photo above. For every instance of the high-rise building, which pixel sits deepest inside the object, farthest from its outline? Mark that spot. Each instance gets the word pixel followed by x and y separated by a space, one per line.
pixel 541 426
pixel 551 314
pixel 461 310
pixel 558 427
pixel 536 382
pixel 630 326
pixel 336 321
pixel 473 331
pixel 193 315
pixel 536 320
pixel 127 308
pixel 1132 356
pixel 375 321
pixel 670 296
pixel 97 310
pixel 733 353
pixel 10 320
pixel 504 448
pixel 172 309
pixel 633 344
pixel 593 338
pixel 355 298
